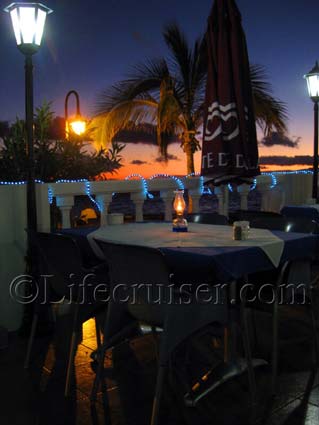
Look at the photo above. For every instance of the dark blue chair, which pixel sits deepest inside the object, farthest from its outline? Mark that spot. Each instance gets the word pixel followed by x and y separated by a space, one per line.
pixel 60 258
pixel 309 213
pixel 207 218
pixel 130 265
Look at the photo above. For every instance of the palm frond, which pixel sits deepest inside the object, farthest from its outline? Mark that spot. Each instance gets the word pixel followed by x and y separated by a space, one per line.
pixel 181 53
pixel 140 84
pixel 169 116
pixel 125 115
pixel 199 72
pixel 198 115
pixel 271 113
pixel 189 68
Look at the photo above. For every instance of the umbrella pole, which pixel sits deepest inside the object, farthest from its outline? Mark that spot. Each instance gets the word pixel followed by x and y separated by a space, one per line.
pixel 226 200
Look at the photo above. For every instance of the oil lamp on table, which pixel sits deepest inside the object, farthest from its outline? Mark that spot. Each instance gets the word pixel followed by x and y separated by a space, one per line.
pixel 179 223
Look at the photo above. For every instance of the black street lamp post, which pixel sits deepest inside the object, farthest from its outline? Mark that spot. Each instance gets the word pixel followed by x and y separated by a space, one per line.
pixel 31 195
pixel 313 89
pixel 28 20
pixel 315 154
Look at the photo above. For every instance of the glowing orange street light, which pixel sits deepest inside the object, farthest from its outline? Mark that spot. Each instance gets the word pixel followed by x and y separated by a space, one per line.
pixel 77 124
pixel 78 127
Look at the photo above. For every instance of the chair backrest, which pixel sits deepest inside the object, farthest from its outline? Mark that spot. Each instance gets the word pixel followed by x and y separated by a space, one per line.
pixel 301 225
pixel 80 236
pixel 298 225
pixel 61 258
pixel 250 214
pixel 207 218
pixel 309 212
pixel 132 264
pixel 138 278
pixel 271 223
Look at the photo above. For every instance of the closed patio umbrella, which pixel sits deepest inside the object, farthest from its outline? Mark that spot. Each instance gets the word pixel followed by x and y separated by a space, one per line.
pixel 229 150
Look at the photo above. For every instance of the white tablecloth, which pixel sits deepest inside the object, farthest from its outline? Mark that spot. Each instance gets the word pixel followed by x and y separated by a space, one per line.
pixel 160 235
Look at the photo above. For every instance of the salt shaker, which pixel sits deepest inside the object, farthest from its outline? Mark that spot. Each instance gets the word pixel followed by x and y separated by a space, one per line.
pixel 237 231
pixel 245 230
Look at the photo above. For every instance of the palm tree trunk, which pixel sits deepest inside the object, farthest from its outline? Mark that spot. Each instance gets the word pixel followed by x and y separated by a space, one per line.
pixel 189 158
pixel 189 151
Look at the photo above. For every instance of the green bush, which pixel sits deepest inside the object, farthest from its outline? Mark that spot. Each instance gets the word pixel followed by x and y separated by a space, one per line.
pixel 55 157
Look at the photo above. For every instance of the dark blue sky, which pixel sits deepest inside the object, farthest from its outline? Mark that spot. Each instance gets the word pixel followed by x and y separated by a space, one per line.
pixel 90 44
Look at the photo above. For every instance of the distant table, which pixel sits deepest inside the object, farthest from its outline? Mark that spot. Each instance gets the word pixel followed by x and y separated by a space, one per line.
pixel 210 250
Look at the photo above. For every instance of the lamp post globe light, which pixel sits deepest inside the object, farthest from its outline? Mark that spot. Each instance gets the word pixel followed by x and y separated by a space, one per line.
pixel 313 89
pixel 28 21
pixel 77 124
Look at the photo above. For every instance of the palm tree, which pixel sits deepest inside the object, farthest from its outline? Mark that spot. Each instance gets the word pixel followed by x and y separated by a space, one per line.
pixel 170 95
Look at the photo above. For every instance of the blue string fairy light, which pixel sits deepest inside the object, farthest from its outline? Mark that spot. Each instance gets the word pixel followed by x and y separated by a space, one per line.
pixel 201 184
pixel 72 181
pixel 253 186
pixel 207 191
pixel 274 180
pixel 4 183
pixel 147 194
pixel 50 195
pixel 51 191
pixel 88 193
pixel 192 175
pixel 292 172
pixel 204 189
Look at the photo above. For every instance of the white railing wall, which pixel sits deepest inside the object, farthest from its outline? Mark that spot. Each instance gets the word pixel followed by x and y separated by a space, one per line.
pixel 277 190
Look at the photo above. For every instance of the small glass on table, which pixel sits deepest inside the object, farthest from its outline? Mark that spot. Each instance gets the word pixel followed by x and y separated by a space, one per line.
pixel 241 230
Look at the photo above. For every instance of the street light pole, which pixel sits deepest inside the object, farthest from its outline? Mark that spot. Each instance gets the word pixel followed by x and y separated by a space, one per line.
pixel 31 195
pixel 313 89
pixel 315 154
pixel 77 99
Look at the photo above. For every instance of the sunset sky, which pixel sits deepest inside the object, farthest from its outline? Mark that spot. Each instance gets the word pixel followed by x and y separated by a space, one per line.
pixel 90 45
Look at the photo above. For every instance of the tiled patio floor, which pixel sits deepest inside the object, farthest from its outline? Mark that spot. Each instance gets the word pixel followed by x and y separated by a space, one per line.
pixel 35 396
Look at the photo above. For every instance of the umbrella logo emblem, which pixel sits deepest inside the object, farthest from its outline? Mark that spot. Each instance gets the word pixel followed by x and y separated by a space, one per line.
pixel 224 113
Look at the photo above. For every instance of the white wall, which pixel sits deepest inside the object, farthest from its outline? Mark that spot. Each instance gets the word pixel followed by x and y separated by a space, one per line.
pixel 12 246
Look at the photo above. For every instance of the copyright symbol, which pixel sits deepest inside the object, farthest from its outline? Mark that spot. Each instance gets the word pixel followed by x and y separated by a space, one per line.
pixel 20 289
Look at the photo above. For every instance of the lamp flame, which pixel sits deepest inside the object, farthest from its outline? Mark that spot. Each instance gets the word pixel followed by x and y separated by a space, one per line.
pixel 179 202
pixel 78 127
